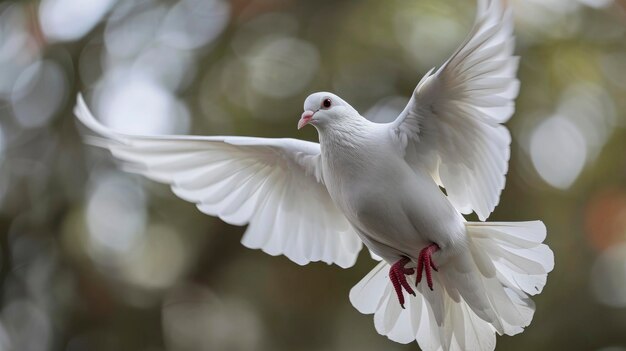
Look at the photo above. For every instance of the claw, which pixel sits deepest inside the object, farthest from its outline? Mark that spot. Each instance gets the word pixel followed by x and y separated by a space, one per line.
pixel 420 269
pixel 433 266
pixel 397 275
pixel 425 263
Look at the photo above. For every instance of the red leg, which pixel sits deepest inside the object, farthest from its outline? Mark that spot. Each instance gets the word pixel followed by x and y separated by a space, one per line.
pixel 425 263
pixel 397 275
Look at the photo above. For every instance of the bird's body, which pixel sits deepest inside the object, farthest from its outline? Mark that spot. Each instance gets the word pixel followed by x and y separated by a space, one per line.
pixel 396 210
pixel 380 184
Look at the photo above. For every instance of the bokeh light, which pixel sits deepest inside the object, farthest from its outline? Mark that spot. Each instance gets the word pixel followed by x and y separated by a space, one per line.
pixel 38 93
pixel 191 24
pixel 608 277
pixel 139 106
pixel 282 67
pixel 558 151
pixel 116 218
pixel 69 19
pixel 23 319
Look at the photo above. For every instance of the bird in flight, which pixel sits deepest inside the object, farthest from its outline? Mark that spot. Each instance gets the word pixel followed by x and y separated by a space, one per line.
pixel 444 282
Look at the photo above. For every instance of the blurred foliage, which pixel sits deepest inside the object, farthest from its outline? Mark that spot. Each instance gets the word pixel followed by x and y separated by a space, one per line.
pixel 92 258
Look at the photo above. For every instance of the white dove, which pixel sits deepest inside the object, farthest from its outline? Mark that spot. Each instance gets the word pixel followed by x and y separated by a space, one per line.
pixel 380 184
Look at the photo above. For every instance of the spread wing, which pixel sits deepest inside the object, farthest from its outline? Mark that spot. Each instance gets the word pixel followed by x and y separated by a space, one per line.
pixel 452 124
pixel 274 185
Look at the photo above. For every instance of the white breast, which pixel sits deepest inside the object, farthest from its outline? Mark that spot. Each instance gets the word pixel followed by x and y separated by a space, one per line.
pixel 395 211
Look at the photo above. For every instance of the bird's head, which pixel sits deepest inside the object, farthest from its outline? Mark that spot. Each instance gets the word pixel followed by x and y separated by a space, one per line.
pixel 324 110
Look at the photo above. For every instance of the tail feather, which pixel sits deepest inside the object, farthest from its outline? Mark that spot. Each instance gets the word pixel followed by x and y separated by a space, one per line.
pixel 485 290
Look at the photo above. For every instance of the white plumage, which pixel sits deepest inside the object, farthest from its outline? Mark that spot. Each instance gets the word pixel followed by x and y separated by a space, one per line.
pixel 379 184
pixel 487 290
pixel 452 122
pixel 269 183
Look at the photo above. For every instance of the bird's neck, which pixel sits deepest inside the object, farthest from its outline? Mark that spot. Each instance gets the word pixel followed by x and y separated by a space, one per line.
pixel 344 144
pixel 344 136
pixel 346 152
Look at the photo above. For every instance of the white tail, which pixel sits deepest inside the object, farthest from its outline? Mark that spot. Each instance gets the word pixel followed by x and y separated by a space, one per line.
pixel 482 291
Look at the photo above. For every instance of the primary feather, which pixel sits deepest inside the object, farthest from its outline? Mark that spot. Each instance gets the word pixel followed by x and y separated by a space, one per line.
pixel 452 124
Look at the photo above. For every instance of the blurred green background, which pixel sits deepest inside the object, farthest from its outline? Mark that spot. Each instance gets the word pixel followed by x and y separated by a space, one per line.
pixel 92 258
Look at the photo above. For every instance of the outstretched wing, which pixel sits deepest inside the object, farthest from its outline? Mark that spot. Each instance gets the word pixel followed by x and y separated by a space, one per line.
pixel 274 185
pixel 452 124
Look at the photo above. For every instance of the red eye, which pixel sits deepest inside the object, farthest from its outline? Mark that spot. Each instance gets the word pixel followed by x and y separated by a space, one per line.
pixel 327 103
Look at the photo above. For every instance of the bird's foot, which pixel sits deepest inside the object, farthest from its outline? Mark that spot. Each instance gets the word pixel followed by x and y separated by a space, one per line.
pixel 425 263
pixel 397 275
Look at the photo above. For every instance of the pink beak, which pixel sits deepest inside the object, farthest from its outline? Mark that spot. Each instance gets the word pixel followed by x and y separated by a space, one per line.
pixel 307 116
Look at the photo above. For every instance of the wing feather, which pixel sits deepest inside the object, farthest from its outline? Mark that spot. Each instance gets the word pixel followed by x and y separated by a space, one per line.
pixel 273 185
pixel 452 124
